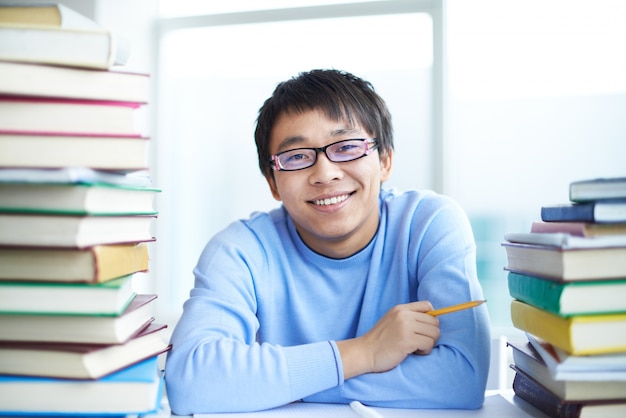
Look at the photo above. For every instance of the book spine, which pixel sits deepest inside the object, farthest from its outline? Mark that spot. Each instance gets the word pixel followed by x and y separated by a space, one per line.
pixel 542 399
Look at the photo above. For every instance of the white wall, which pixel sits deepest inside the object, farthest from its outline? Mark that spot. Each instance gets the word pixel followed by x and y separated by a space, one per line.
pixel 537 99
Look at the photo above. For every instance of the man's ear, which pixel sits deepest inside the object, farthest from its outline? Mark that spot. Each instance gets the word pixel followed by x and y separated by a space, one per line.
pixel 386 163
pixel 271 181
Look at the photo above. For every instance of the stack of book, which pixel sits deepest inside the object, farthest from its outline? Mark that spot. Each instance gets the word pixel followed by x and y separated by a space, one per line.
pixel 567 278
pixel 76 219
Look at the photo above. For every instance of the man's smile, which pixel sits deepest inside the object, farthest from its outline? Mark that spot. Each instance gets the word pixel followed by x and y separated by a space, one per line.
pixel 331 200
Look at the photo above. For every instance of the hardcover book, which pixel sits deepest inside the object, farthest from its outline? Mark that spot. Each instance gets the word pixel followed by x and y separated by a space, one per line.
pixel 80 361
pixel 77 199
pixel 134 390
pixel 580 229
pixel 54 150
pixel 55 34
pixel 28 79
pixel 89 329
pixel 95 264
pixel 566 264
pixel 541 398
pixel 598 211
pixel 110 298
pixel 38 115
pixel 598 189
pixel 569 298
pixel 72 231
pixel 527 360
pixel 577 335
pixel 603 368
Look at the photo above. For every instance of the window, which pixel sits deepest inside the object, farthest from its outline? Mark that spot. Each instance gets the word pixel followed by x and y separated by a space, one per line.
pixel 212 80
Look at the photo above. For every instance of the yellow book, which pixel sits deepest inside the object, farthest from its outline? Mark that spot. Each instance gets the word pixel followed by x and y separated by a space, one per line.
pixel 577 335
pixel 96 264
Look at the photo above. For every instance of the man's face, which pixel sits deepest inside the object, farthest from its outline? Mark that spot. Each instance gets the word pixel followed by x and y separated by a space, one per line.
pixel 334 205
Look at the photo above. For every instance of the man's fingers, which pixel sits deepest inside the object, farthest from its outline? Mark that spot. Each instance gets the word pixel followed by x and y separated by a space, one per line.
pixel 420 306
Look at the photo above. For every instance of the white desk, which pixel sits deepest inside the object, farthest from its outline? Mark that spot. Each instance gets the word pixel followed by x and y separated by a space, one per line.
pixel 498 404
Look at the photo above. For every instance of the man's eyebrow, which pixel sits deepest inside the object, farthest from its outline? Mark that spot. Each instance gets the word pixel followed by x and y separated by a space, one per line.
pixel 290 142
pixel 294 141
pixel 344 131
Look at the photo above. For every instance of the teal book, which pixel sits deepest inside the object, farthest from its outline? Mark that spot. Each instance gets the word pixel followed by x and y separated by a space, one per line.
pixel 569 298
pixel 136 389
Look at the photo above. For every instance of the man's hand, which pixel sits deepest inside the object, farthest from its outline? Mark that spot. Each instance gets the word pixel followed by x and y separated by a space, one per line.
pixel 403 330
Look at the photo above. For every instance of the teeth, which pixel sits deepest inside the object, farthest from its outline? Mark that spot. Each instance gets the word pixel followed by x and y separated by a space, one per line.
pixel 331 200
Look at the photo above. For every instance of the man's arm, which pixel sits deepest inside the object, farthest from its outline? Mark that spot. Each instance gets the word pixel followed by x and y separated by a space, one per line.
pixel 404 330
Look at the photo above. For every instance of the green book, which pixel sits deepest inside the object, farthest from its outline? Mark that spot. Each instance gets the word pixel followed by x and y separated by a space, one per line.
pixel 569 298
pixel 108 298
pixel 76 199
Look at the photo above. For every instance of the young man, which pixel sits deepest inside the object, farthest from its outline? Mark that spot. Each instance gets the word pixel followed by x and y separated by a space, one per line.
pixel 325 298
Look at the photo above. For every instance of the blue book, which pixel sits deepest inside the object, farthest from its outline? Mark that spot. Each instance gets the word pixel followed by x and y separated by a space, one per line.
pixel 609 211
pixel 136 389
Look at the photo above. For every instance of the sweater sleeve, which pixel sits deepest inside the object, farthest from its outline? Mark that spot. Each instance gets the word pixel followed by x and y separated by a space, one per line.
pixel 216 364
pixel 442 255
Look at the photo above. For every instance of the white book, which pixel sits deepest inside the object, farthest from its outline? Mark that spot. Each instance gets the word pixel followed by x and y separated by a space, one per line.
pixel 566 241
pixel 562 366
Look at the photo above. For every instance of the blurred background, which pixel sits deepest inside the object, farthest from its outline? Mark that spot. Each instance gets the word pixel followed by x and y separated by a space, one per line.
pixel 497 103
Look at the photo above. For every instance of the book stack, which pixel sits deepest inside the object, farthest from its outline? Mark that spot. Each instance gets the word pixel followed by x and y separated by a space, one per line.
pixel 567 278
pixel 76 219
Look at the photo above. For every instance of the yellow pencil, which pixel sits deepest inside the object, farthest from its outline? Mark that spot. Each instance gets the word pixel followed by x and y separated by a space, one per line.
pixel 455 308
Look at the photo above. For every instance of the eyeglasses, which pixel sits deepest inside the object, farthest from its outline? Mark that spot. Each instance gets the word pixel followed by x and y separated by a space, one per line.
pixel 337 152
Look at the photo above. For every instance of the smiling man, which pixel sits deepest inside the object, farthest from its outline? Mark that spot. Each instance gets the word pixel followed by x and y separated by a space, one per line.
pixel 324 299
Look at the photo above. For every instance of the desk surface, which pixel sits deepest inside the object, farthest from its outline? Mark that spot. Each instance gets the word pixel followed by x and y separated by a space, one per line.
pixel 497 404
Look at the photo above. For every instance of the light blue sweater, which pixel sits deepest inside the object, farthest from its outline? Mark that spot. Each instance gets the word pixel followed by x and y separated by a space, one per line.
pixel 260 326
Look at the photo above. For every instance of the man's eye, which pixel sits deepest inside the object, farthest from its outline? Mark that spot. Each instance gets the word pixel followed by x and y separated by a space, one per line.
pixel 296 157
pixel 347 148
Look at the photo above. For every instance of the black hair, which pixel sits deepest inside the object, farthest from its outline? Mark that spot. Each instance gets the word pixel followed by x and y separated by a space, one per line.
pixel 340 95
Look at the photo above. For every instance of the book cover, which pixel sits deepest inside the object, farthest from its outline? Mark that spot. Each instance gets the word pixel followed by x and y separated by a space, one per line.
pixel 77 199
pixel 569 298
pixel 95 264
pixel 40 115
pixel 599 211
pixel 527 360
pixel 577 335
pixel 597 189
pixel 541 398
pixel 73 231
pixel 110 298
pixel 80 361
pixel 90 329
pixel 136 389
pixel 566 264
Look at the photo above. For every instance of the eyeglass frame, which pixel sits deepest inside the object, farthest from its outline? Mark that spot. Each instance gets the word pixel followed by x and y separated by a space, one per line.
pixel 274 161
